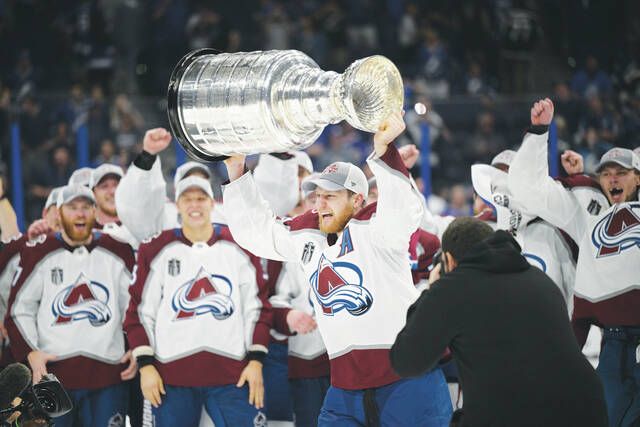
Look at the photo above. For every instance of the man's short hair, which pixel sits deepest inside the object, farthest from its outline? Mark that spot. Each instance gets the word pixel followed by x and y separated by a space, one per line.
pixel 462 234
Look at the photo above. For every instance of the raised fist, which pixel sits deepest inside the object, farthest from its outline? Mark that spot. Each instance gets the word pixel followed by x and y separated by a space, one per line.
pixel 388 131
pixel 409 154
pixel 542 112
pixel 156 140
pixel 572 162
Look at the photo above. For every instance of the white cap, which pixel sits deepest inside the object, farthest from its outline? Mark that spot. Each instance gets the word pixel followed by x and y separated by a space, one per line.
pixel 191 182
pixel 636 151
pixel 81 176
pixel 69 193
pixel 304 160
pixel 185 169
pixel 52 199
pixel 503 158
pixel 102 171
pixel 339 176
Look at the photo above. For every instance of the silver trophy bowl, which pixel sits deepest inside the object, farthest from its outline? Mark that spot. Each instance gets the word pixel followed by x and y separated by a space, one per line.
pixel 221 104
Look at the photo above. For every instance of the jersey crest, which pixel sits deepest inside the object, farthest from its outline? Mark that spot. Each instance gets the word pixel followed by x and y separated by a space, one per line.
pixel 338 286
pixel 206 293
pixel 618 230
pixel 85 299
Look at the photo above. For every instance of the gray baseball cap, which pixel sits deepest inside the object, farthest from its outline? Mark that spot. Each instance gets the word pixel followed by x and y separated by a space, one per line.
pixel 81 176
pixel 193 182
pixel 102 171
pixel 71 192
pixel 185 169
pixel 619 156
pixel 503 158
pixel 339 176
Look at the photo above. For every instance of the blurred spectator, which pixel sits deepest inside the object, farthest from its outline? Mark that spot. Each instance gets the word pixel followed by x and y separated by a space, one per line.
pixel 599 118
pixel 75 109
pixel 129 24
pixel 98 122
pixel 485 142
pixel 362 34
pixel 107 154
pixel 206 28
pixel 566 105
pixel 592 148
pixel 311 42
pixel 331 19
pixel 126 124
pixel 476 83
pixel 458 202
pixel 346 144
pixel 34 126
pixel 277 28
pixel 591 80
pixel 24 77
pixel 433 63
pixel 55 174
pixel 408 34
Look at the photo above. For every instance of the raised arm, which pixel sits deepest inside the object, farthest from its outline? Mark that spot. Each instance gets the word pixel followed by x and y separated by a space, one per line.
pixel 142 192
pixel 531 185
pixel 277 179
pixel 399 208
pixel 251 221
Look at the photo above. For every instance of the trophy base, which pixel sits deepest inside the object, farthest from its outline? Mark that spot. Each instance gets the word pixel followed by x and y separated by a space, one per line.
pixel 172 107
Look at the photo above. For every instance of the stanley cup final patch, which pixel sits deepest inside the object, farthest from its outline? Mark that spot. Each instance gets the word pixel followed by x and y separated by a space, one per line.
pixel 307 253
pixel 57 276
pixel 173 267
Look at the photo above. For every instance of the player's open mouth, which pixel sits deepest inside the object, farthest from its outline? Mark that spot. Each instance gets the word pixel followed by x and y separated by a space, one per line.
pixel 80 226
pixel 326 216
pixel 195 214
pixel 616 194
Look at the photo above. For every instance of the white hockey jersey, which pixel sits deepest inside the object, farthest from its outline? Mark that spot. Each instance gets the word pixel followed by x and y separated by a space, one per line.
pixel 307 353
pixel 70 302
pixel 198 308
pixel 361 284
pixel 608 268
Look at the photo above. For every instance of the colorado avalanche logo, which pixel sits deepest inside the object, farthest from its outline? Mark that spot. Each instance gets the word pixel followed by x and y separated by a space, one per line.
pixel 85 299
pixel 617 231
pixel 206 293
pixel 335 291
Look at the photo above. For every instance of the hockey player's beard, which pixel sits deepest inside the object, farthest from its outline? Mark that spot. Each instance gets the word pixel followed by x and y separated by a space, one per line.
pixel 338 221
pixel 72 233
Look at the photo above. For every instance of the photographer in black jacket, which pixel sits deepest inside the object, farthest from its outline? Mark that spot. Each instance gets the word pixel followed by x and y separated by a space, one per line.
pixel 506 325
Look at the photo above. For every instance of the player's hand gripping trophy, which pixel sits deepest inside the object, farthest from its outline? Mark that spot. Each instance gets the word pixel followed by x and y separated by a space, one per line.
pixel 258 102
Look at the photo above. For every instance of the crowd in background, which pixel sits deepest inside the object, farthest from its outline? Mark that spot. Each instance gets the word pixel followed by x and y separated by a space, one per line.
pixel 106 64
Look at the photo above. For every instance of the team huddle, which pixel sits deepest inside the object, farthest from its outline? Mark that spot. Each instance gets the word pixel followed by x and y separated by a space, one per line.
pixel 282 302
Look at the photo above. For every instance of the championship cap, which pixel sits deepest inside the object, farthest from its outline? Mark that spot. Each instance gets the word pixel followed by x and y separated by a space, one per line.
pixel 52 199
pixel 339 176
pixel 503 158
pixel 619 156
pixel 303 160
pixel 193 182
pixel 102 171
pixel 81 176
pixel 187 168
pixel 72 192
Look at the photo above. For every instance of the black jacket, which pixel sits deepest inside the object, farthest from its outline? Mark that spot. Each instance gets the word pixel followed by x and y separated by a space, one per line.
pixel 508 329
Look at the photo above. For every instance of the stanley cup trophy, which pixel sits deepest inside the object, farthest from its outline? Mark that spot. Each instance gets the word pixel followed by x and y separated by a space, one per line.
pixel 220 104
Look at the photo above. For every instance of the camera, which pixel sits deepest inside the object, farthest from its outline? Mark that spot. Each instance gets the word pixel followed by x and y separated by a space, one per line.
pixel 42 401
pixel 438 258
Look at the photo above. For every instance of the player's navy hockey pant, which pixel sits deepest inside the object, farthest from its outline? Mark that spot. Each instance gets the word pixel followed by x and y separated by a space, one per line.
pixel 228 406
pixel 308 395
pixel 277 394
pixel 102 407
pixel 619 371
pixel 414 402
